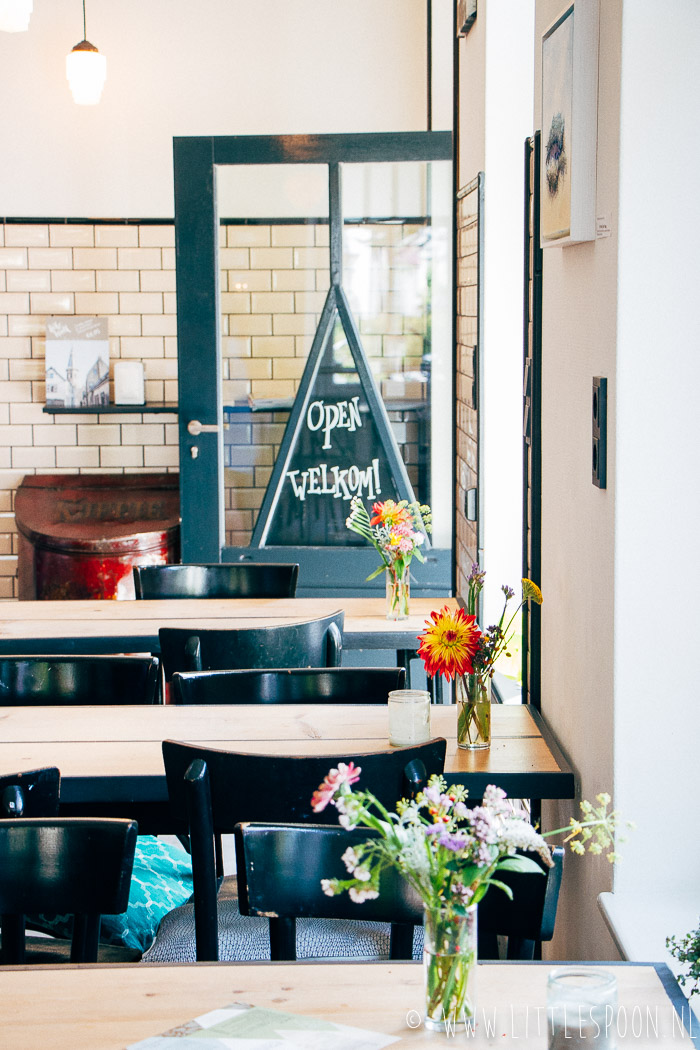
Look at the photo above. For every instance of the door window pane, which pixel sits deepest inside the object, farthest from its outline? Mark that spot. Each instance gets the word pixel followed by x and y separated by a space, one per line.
pixel 274 276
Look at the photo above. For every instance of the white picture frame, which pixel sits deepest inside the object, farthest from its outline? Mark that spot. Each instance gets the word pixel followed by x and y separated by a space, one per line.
pixel 569 126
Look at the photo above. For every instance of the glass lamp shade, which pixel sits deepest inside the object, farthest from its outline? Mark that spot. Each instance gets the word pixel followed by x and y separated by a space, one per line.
pixel 14 15
pixel 86 70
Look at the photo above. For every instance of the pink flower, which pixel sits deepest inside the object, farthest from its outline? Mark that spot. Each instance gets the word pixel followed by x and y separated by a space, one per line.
pixel 332 782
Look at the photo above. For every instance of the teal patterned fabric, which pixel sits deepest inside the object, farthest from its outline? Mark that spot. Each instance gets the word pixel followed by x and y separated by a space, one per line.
pixel 161 881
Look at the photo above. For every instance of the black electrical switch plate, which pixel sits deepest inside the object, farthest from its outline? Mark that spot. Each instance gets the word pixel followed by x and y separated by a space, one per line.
pixel 600 432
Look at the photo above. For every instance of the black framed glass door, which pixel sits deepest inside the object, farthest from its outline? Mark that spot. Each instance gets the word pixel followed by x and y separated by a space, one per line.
pixel 314 303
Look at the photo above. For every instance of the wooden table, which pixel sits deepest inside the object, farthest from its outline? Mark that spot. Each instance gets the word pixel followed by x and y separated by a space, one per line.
pixel 112 755
pixel 67 627
pixel 111 1007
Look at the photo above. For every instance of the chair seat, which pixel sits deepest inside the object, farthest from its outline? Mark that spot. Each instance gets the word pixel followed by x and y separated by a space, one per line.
pixel 242 937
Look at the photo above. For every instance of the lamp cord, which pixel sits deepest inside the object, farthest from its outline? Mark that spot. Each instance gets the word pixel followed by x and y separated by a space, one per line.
pixel 84 23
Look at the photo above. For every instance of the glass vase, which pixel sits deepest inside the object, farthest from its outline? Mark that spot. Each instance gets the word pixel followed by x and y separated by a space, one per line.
pixel 398 593
pixel 449 964
pixel 473 695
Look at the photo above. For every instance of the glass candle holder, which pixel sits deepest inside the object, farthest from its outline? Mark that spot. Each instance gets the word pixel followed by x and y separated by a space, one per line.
pixel 581 1009
pixel 409 717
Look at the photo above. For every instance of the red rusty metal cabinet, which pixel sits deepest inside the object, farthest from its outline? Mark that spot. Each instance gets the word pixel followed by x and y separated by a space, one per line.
pixel 80 534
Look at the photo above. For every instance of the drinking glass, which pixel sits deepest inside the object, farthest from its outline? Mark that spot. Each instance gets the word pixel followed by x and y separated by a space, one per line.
pixel 581 1009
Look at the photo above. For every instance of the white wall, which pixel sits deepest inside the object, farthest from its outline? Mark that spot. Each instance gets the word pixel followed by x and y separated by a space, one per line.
pixel 180 68
pixel 657 569
pixel 509 75
pixel 578 520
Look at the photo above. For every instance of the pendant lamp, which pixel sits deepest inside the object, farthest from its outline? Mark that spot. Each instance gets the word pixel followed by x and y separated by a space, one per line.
pixel 14 15
pixel 86 70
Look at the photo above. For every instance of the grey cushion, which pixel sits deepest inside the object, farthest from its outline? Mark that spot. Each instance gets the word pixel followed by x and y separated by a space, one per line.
pixel 243 937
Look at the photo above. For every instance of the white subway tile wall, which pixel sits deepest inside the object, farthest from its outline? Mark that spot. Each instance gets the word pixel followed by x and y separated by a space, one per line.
pixel 273 284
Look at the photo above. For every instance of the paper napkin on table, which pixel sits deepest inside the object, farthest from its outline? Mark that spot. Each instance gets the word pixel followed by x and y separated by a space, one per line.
pixel 242 1027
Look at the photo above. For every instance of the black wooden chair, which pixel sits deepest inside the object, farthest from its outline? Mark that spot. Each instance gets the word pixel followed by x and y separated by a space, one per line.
pixel 280 867
pixel 299 685
pixel 70 865
pixel 212 791
pixel 34 793
pixel 27 681
pixel 313 643
pixel 237 580
pixel 528 919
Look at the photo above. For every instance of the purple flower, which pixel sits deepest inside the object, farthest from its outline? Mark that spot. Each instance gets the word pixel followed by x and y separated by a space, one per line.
pixel 494 799
pixel 508 591
pixel 453 842
pixel 481 820
pixel 433 794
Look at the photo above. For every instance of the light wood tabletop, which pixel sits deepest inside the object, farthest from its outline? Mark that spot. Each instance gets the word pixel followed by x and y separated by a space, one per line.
pixel 113 1007
pixel 53 627
pixel 114 753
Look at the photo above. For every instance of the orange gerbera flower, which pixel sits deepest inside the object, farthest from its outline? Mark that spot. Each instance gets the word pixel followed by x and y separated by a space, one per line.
pixel 390 513
pixel 449 643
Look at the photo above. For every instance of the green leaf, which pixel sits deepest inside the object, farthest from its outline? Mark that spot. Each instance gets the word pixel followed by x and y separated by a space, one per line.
pixel 377 572
pixel 518 863
pixel 502 886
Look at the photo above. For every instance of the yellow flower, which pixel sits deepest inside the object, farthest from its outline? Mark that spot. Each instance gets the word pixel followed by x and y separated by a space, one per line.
pixel 532 591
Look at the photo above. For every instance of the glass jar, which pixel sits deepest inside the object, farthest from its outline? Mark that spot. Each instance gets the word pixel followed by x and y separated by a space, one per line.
pixel 449 966
pixel 581 1009
pixel 473 695
pixel 398 592
pixel 409 717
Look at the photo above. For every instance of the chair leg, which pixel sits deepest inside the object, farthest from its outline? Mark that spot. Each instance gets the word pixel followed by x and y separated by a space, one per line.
pixel 520 949
pixel 487 944
pixel 401 941
pixel 12 952
pixel 283 940
pixel 86 938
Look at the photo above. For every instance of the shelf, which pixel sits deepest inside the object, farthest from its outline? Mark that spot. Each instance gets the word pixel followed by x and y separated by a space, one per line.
pixel 101 410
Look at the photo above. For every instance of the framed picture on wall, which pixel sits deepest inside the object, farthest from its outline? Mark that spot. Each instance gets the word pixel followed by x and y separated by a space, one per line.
pixel 569 125
pixel 77 362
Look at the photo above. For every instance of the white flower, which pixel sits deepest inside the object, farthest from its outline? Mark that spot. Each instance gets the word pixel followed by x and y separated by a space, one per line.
pixel 518 834
pixel 345 822
pixel 363 874
pixel 327 887
pixel 358 895
pixel 350 859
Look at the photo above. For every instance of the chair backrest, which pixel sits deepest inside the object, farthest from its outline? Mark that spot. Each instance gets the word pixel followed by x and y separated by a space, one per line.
pixel 75 866
pixel 528 918
pixel 280 867
pixel 237 580
pixel 211 791
pixel 298 685
pixel 76 680
pixel 32 794
pixel 314 643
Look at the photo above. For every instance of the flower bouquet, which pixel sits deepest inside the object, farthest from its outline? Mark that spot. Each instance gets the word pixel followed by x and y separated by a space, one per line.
pixel 397 531
pixel 455 647
pixel 450 855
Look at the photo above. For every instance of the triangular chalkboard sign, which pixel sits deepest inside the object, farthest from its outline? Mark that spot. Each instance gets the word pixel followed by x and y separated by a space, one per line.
pixel 338 443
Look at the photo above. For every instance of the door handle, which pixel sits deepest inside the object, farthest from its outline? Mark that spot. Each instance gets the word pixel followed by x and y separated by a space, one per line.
pixel 195 428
